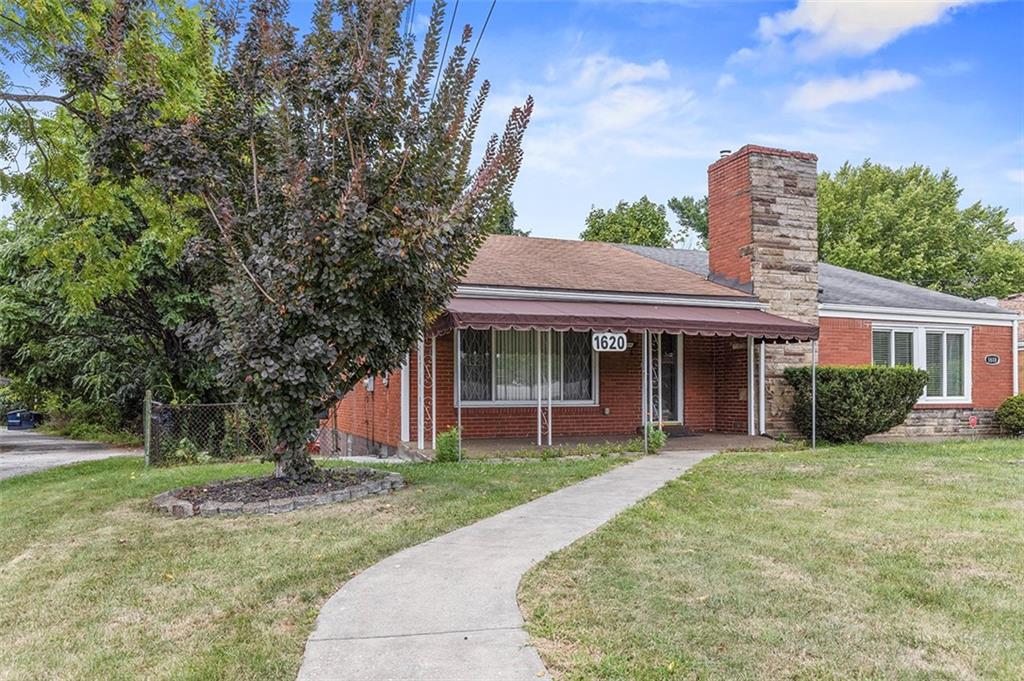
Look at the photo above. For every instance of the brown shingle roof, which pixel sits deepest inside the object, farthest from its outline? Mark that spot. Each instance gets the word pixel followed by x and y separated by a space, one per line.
pixel 534 262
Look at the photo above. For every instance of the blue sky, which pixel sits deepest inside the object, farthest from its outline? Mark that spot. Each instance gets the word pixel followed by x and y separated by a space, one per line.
pixel 637 98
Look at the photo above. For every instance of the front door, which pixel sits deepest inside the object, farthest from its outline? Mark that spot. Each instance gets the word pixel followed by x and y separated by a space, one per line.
pixel 665 367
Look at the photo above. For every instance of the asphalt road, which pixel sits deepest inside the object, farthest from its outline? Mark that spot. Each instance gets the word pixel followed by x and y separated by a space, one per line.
pixel 26 451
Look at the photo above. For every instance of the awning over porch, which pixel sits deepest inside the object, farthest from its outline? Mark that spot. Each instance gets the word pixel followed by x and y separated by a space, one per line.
pixel 484 313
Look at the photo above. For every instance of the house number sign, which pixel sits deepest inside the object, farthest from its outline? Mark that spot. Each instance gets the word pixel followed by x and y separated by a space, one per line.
pixel 992 359
pixel 608 342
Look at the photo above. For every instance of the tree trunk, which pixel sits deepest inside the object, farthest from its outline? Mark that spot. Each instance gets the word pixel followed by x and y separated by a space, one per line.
pixel 294 463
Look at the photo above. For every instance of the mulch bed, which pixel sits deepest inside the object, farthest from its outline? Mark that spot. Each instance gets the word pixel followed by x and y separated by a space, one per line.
pixel 269 488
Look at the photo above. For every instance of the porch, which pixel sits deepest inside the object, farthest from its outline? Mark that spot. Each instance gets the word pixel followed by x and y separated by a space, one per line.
pixel 512 374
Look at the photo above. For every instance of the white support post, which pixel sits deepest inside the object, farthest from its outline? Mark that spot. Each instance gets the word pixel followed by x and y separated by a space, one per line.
pixel 750 386
pixel 419 395
pixel 404 405
pixel 550 422
pixel 539 428
pixel 760 392
pixel 433 393
pixel 661 367
pixel 458 387
pixel 645 379
pixel 1015 353
pixel 814 394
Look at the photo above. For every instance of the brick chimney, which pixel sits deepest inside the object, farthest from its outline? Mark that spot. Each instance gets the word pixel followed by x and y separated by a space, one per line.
pixel 763 237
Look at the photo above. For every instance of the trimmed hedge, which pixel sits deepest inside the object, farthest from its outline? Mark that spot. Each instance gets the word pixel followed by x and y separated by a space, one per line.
pixel 854 402
pixel 1010 415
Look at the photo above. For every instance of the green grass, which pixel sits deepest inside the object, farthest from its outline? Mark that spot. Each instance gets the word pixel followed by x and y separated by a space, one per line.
pixel 96 585
pixel 875 561
pixel 92 433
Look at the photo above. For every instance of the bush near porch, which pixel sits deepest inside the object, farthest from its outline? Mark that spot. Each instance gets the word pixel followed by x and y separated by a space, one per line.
pixel 95 584
pixel 889 561
pixel 854 402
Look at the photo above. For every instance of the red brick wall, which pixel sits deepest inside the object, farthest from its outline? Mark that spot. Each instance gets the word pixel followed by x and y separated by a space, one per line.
pixel 729 218
pixel 844 342
pixel 847 342
pixel 375 415
pixel 714 384
pixel 992 384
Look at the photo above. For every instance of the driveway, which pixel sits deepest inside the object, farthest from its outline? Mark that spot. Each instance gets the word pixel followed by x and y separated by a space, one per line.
pixel 447 608
pixel 26 451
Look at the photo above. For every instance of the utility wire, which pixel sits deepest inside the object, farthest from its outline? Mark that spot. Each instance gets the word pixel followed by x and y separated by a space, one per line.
pixel 444 52
pixel 482 29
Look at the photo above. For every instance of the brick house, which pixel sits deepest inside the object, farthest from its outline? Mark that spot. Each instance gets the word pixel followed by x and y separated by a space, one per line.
pixel 697 340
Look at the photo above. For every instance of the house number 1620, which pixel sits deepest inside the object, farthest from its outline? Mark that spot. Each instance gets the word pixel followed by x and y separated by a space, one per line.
pixel 608 342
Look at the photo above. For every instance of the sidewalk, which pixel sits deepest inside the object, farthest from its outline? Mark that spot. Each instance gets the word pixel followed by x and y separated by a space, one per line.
pixel 447 608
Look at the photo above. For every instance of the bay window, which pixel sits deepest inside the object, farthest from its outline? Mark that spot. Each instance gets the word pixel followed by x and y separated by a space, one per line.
pixel 500 367
pixel 942 353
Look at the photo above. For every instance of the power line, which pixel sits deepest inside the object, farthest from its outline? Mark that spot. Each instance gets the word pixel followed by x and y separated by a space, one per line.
pixel 444 52
pixel 482 29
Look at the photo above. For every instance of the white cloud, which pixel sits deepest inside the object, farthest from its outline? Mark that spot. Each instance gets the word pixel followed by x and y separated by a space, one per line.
pixel 595 111
pixel 1016 175
pixel 815 28
pixel 726 80
pixel 815 95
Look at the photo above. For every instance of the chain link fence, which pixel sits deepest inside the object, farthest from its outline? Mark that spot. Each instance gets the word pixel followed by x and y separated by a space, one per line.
pixel 196 433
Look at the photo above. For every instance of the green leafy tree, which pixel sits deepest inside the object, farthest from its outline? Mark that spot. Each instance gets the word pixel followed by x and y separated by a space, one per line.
pixel 642 223
pixel 330 174
pixel 92 283
pixel 502 220
pixel 692 215
pixel 905 224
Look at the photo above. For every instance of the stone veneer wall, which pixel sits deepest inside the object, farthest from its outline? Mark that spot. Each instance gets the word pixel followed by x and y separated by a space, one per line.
pixel 782 253
pixel 951 422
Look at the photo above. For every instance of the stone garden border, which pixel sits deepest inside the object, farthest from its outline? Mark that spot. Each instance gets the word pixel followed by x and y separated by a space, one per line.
pixel 168 502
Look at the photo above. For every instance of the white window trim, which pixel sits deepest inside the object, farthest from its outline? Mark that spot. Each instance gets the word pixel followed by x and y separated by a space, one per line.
pixel 921 356
pixel 491 404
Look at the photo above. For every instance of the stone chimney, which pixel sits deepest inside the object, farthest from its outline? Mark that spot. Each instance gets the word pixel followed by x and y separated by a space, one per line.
pixel 763 237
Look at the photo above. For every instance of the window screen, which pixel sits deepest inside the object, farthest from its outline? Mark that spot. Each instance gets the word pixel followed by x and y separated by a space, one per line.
pixel 933 364
pixel 880 348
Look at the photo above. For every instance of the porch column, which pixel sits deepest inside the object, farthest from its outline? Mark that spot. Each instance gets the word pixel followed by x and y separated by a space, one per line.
pixel 433 392
pixel 760 391
pixel 814 394
pixel 644 379
pixel 750 385
pixel 661 409
pixel 419 395
pixel 404 405
pixel 1015 354
pixel 539 428
pixel 458 387
pixel 551 424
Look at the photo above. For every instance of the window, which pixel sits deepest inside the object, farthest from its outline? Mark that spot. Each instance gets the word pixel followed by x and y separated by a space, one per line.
pixel 942 353
pixel 501 366
pixel 890 347
pixel 945 364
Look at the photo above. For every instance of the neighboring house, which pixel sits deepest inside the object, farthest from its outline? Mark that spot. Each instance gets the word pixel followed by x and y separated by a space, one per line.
pixel 720 328
pixel 1015 303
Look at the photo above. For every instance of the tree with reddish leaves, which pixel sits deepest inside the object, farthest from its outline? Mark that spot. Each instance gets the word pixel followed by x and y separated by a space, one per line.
pixel 329 173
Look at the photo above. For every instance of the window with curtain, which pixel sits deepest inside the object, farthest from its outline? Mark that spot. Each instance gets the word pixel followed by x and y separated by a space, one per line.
pixel 890 347
pixel 946 364
pixel 501 366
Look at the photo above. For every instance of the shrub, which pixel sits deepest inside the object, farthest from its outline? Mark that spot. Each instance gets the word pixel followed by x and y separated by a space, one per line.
pixel 448 445
pixel 854 402
pixel 656 437
pixel 1010 415
pixel 187 452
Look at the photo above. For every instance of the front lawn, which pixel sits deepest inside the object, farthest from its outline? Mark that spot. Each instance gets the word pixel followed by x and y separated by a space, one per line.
pixel 880 561
pixel 96 585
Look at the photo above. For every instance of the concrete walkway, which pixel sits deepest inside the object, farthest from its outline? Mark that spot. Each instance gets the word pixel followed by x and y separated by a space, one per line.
pixel 26 451
pixel 446 610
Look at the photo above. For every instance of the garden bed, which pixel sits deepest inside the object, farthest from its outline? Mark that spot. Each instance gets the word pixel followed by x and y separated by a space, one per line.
pixel 275 495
